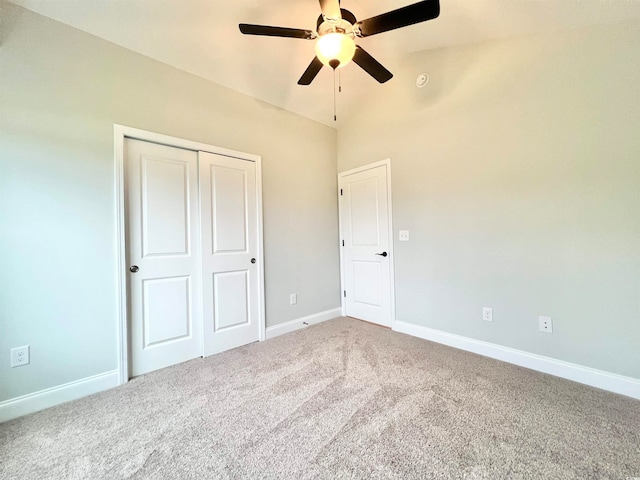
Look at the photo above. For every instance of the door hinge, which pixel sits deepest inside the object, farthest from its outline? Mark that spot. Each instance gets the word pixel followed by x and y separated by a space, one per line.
pixel 340 192
pixel 343 243
pixel 344 293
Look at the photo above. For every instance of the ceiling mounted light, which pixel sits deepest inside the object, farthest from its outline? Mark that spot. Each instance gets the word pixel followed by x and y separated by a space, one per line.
pixel 335 49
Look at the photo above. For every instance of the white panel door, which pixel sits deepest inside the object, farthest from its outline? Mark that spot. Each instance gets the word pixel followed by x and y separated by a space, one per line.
pixel 228 198
pixel 364 213
pixel 163 238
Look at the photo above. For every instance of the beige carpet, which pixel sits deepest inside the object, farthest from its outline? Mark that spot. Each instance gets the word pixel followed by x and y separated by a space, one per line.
pixel 343 399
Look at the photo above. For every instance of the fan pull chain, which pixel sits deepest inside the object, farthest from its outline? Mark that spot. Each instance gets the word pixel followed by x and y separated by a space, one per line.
pixel 335 118
pixel 339 81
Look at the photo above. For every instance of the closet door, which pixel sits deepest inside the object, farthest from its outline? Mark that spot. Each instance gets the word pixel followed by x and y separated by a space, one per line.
pixel 163 248
pixel 228 199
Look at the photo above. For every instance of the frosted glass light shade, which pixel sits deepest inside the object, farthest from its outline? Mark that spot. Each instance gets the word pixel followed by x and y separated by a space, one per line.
pixel 335 46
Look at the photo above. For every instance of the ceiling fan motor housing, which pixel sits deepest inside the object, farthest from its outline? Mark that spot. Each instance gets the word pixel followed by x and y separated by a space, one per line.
pixel 347 21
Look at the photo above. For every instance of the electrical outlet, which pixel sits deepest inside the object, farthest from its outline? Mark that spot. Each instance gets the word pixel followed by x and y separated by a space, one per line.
pixel 20 356
pixel 403 235
pixel 545 325
pixel 487 314
pixel 293 299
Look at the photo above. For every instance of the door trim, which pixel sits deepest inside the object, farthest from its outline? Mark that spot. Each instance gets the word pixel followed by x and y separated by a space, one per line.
pixel 120 133
pixel 386 163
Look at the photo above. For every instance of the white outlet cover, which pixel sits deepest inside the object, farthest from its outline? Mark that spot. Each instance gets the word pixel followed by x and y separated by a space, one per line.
pixel 403 235
pixel 487 314
pixel 20 356
pixel 293 299
pixel 545 324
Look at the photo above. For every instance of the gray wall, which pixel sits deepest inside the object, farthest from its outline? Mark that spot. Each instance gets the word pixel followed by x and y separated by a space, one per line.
pixel 517 173
pixel 61 91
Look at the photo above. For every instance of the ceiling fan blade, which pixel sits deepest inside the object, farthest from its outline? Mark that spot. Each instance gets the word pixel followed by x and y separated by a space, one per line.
pixel 249 29
pixel 371 65
pixel 402 17
pixel 310 73
pixel 331 9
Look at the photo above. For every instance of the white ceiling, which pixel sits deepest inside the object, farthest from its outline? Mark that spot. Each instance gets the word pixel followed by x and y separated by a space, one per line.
pixel 202 37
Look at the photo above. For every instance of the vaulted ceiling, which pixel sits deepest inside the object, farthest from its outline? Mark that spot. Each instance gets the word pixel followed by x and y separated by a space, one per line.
pixel 202 37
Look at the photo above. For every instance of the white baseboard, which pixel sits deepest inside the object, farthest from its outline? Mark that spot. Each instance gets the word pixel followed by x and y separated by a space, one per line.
pixel 302 322
pixel 589 376
pixel 34 402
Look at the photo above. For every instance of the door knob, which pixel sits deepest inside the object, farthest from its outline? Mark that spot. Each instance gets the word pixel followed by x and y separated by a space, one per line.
pixel 253 260
pixel 133 268
pixel 383 254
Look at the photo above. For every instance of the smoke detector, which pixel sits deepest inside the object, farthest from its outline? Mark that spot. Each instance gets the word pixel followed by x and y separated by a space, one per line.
pixel 422 80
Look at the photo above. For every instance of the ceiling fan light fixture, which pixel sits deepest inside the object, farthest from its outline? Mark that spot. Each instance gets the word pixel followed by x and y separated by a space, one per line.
pixel 333 47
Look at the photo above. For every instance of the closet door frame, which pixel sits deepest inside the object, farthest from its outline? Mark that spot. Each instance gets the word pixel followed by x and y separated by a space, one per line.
pixel 122 132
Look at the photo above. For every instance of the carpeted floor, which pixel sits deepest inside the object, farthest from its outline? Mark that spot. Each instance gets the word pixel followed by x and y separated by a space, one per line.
pixel 342 399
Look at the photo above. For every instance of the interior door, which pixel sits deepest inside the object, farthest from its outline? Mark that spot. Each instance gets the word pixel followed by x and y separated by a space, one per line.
pixel 163 238
pixel 364 213
pixel 228 198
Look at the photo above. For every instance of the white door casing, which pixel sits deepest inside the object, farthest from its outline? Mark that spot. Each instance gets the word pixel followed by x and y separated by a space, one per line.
pixel 163 237
pixel 228 199
pixel 367 254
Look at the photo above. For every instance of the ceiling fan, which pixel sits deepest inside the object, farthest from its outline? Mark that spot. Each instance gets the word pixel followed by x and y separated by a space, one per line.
pixel 336 30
